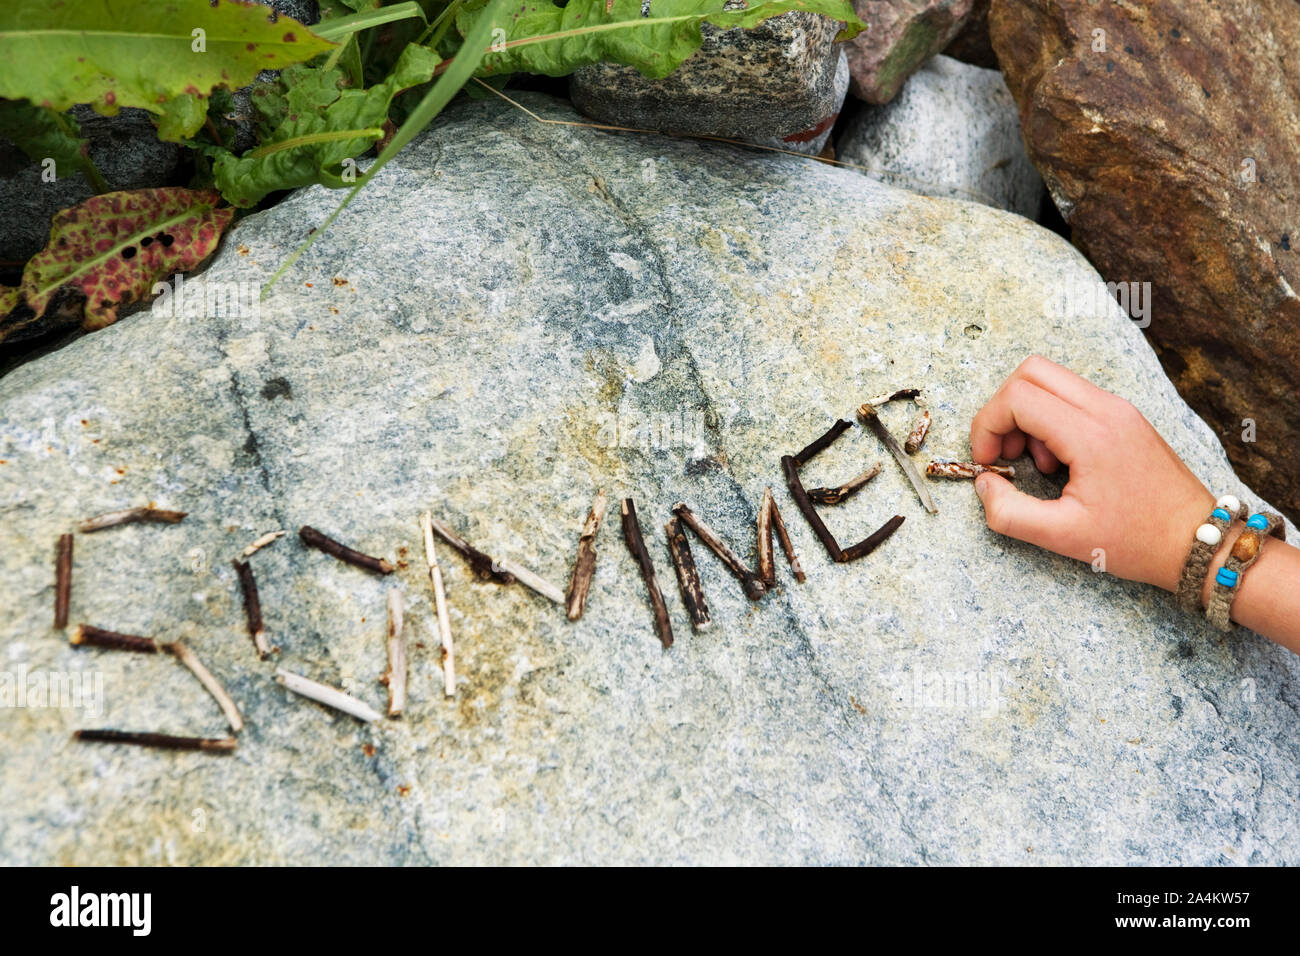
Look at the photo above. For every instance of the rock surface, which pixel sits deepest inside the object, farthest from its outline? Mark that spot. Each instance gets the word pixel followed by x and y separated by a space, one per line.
pixel 509 317
pixel 900 36
pixel 126 150
pixel 782 81
pixel 953 131
pixel 1169 136
pixel 972 44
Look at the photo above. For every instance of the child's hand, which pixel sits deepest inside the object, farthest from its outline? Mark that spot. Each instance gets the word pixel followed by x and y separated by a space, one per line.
pixel 1128 493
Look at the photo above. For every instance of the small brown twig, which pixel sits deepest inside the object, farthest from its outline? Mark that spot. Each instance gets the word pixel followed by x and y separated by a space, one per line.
pixel 164 741
pixel 833 496
pixel 872 420
pixel 260 543
pixel 90 636
pixel 253 609
pixel 821 444
pixel 395 677
pixel 688 576
pixel 966 469
pixel 749 581
pixel 483 566
pixel 766 556
pixel 916 437
pixel 585 565
pixel 873 540
pixel 902 394
pixel 63 581
pixel 801 499
pixel 440 604
pixel 209 682
pixel 636 544
pixel 313 538
pixel 786 544
pixel 112 519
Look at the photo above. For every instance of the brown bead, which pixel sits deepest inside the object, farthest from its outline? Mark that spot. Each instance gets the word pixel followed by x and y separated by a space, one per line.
pixel 1247 546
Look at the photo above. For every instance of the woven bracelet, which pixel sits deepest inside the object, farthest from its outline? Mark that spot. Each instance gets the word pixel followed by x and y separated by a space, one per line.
pixel 1208 538
pixel 1245 552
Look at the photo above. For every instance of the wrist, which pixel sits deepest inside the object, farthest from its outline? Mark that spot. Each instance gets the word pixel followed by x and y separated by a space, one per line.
pixel 1219 560
pixel 1184 520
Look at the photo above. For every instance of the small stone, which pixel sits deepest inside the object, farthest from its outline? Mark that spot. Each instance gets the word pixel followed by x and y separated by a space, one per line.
pixel 1246 546
pixel 1229 503
pixel 1209 534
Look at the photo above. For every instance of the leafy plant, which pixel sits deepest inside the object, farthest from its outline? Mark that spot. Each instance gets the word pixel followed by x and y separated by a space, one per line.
pixel 368 76
pixel 313 126
pixel 113 54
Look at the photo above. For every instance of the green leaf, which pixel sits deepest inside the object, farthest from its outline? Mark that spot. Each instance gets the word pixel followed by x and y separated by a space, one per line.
pixel 46 134
pixel 433 103
pixel 181 117
pixel 112 54
pixel 113 248
pixel 556 40
pixel 314 127
pixel 341 27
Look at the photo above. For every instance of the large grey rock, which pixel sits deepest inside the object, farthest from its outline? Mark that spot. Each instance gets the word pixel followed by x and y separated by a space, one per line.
pixel 953 132
pixel 900 36
pixel 510 316
pixel 784 80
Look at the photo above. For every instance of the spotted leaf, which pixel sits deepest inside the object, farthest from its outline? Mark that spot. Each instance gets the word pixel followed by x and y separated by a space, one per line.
pixel 113 248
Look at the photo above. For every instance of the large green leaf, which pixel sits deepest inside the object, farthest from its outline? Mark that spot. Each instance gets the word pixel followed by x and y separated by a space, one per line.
pixel 555 40
pixel 113 248
pixel 310 126
pixel 115 53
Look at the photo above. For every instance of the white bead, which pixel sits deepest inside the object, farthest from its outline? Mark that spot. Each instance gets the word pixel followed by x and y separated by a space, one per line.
pixel 1230 504
pixel 1209 534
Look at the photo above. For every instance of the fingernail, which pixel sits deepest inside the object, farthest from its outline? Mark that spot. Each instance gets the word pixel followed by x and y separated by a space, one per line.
pixel 981 486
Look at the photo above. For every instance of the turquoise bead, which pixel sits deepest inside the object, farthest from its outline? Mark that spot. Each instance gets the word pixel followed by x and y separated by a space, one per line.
pixel 1258 522
pixel 1227 577
pixel 1220 514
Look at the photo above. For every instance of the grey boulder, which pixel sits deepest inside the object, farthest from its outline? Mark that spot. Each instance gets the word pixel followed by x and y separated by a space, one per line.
pixel 510 316
pixel 783 81
pixel 954 131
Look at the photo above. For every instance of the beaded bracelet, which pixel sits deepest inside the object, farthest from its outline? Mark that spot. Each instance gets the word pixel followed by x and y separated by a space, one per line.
pixel 1245 552
pixel 1208 538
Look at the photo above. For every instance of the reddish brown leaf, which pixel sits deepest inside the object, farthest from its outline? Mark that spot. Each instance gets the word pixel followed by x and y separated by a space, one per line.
pixel 114 247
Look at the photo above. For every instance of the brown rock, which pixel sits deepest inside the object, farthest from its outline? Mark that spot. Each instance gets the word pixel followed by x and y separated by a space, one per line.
pixel 900 36
pixel 971 44
pixel 1169 136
